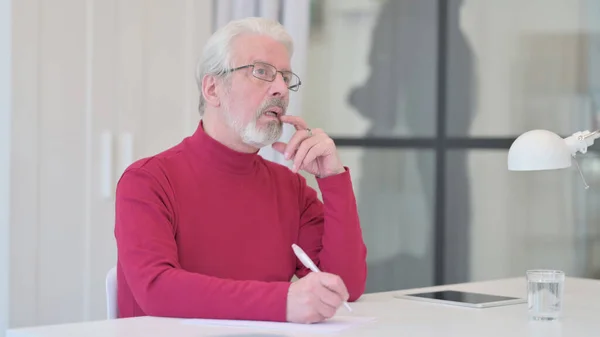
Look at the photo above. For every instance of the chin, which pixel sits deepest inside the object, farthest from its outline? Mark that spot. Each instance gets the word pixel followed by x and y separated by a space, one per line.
pixel 259 143
pixel 262 137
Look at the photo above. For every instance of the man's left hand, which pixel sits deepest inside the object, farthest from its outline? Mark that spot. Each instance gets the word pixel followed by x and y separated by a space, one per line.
pixel 312 150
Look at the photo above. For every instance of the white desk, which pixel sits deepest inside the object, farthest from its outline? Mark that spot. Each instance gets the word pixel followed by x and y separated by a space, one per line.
pixel 394 317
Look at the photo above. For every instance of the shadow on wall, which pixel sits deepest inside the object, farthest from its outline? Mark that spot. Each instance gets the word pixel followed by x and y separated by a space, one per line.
pixel 400 94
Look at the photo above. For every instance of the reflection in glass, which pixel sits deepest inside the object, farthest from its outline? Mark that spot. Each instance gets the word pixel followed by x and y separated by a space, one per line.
pixel 394 191
pixel 372 68
pixel 461 77
pixel 530 220
pixel 398 97
pixel 524 70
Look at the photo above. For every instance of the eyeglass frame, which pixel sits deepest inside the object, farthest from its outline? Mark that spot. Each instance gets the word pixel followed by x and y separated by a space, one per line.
pixel 282 72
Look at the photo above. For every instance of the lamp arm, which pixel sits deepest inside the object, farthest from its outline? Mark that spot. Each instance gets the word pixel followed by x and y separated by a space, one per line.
pixel 580 141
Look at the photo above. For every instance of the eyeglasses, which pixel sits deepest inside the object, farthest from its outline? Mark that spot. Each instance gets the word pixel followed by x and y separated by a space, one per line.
pixel 266 72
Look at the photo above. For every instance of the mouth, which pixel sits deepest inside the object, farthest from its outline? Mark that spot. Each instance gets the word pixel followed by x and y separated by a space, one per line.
pixel 274 112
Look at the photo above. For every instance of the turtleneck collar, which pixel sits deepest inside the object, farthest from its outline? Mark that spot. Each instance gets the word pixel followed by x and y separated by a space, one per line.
pixel 220 157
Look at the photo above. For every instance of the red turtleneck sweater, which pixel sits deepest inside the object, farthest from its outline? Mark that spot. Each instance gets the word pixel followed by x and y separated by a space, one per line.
pixel 206 232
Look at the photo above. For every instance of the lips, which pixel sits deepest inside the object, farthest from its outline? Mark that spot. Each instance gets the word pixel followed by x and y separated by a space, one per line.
pixel 274 111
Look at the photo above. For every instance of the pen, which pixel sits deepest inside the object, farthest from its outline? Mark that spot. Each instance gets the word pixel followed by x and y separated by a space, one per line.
pixel 308 263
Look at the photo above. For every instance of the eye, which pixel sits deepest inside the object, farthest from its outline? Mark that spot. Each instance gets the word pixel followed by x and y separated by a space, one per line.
pixel 287 78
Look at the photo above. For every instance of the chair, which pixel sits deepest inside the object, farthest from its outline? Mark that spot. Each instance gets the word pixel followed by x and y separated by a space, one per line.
pixel 112 309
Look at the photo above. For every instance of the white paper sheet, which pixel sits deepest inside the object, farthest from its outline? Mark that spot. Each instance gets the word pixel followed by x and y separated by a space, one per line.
pixel 335 324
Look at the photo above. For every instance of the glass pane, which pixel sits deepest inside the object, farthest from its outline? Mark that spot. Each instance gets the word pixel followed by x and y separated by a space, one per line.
pixel 457 218
pixel 511 69
pixel 395 195
pixel 524 220
pixel 372 68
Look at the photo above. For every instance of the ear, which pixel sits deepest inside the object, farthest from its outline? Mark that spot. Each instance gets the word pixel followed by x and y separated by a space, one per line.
pixel 209 90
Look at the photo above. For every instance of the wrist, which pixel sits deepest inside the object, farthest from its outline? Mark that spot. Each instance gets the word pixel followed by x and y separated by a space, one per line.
pixel 334 172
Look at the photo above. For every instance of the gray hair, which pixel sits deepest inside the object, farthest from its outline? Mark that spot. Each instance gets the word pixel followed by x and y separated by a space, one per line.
pixel 216 56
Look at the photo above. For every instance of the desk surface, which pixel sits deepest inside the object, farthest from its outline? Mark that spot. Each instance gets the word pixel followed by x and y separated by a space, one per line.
pixel 394 317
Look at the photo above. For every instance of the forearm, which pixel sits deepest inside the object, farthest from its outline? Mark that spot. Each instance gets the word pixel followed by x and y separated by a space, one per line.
pixel 345 258
pixel 331 233
pixel 344 251
pixel 172 292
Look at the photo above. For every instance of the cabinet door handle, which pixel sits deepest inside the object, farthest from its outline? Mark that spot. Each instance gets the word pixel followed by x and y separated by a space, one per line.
pixel 106 162
pixel 126 153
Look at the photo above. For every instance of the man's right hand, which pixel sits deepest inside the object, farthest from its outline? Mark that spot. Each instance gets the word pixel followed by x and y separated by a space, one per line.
pixel 315 297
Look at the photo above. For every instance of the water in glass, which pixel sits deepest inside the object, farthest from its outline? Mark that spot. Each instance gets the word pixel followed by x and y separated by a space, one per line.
pixel 545 294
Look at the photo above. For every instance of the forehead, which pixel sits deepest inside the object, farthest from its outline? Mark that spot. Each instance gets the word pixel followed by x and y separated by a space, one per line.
pixel 251 48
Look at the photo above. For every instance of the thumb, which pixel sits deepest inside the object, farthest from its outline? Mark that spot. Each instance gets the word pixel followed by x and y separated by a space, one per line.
pixel 279 147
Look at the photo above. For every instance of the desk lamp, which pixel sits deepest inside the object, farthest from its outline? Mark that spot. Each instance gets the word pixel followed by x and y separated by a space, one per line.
pixel 544 150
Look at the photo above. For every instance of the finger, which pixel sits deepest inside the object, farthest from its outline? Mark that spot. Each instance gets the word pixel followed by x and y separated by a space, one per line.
pixel 328 297
pixel 315 151
pixel 294 142
pixel 296 121
pixel 335 284
pixel 316 318
pixel 279 147
pixel 323 309
pixel 326 311
pixel 306 146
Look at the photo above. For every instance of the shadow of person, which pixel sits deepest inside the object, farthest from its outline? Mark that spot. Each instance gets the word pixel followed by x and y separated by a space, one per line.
pixel 399 98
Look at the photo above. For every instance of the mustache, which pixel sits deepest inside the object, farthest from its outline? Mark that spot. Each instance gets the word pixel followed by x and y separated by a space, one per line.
pixel 272 102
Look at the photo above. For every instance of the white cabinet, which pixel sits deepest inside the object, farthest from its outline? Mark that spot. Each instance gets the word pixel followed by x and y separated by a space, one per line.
pixel 96 84
pixel 5 118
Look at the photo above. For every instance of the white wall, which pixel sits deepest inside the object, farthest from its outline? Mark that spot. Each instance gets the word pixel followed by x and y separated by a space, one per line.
pixel 5 131
pixel 97 84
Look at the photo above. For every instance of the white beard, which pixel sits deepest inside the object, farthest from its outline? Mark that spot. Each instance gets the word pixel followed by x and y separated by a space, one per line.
pixel 251 133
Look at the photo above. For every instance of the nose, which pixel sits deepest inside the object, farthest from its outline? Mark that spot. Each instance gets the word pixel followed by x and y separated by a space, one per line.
pixel 278 87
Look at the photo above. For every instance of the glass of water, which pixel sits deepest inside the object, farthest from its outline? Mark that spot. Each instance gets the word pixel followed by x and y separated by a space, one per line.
pixel 545 290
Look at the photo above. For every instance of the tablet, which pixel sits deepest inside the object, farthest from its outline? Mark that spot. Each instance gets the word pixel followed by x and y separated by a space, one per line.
pixel 465 299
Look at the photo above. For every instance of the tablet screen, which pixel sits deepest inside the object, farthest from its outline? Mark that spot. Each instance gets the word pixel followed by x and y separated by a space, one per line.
pixel 464 297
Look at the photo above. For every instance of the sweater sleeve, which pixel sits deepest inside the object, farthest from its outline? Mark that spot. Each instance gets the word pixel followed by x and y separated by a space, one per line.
pixel 330 232
pixel 147 252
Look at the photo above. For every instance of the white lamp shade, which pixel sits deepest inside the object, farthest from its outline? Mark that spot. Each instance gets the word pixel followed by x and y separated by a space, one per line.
pixel 538 150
